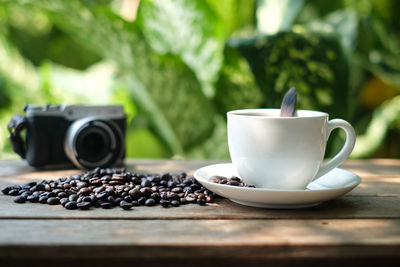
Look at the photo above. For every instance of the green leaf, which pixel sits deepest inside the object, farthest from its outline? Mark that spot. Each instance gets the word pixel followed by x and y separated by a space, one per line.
pixel 186 28
pixel 235 14
pixel 383 119
pixel 314 64
pixel 343 23
pixel 236 87
pixel 163 87
pixel 274 16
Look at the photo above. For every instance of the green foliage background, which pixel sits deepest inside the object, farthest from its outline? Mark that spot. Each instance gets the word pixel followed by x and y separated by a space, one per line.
pixel 182 64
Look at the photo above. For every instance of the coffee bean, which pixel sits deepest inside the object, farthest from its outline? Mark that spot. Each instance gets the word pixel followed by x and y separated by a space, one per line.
pixel 125 205
pixel 142 200
pixel 33 198
pixel 53 201
pixel 150 202
pixel 177 190
pixel 146 191
pixel 84 191
pixel 64 201
pixel 164 203
pixel 102 195
pixel 175 203
pixel 84 205
pixel 233 183
pixel 71 205
pixel 13 192
pixel 110 187
pixel 19 199
pixel 62 195
pixel 87 199
pixel 43 199
pixel 6 190
pixel 201 201
pixel 135 193
pixel 106 205
pixel 118 200
pixel 156 197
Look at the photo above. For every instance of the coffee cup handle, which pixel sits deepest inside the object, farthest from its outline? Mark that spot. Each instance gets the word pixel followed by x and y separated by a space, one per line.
pixel 346 150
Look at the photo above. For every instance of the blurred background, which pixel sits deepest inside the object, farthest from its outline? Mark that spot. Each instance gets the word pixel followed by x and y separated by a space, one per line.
pixel 177 66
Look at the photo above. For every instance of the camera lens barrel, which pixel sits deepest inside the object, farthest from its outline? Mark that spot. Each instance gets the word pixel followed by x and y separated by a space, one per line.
pixel 93 142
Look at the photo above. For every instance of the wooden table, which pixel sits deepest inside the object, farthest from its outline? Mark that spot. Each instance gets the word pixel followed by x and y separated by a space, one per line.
pixel 360 227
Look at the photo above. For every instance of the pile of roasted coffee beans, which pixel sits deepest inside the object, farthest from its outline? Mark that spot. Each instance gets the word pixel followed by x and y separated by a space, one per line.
pixel 233 181
pixel 108 188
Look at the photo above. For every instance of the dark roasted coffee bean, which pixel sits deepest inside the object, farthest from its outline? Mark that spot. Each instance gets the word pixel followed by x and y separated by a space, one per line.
pixel 71 205
pixel 164 203
pixel 25 194
pixel 87 199
pixel 171 184
pixel 190 198
pixel 150 202
pixel 145 183
pixel 156 197
pixel 5 190
pixel 84 205
pixel 102 195
pixel 84 191
pixel 233 183
pixel 73 197
pixel 177 190
pixel 146 191
pixel 53 201
pixel 33 198
pixel 142 200
pixel 43 199
pixel 135 203
pixel 118 200
pixel 40 187
pixel 19 199
pixel 13 192
pixel 175 203
pixel 128 199
pixel 51 194
pixel 62 195
pixel 183 201
pixel 166 176
pixel 64 201
pixel 201 201
pixel 106 205
pixel 194 187
pixel 111 200
pixel 125 205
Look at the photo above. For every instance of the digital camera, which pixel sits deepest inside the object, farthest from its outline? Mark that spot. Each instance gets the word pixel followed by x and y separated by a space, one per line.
pixel 87 136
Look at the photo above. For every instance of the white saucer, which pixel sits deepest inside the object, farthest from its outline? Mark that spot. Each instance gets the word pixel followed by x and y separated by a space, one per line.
pixel 329 186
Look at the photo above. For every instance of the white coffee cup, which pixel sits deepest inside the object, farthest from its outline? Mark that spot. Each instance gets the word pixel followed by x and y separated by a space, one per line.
pixel 276 152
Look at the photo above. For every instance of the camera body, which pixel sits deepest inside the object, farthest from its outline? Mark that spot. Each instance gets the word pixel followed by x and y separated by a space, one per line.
pixel 87 136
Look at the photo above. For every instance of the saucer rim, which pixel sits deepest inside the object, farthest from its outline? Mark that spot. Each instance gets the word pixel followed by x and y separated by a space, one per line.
pixel 355 183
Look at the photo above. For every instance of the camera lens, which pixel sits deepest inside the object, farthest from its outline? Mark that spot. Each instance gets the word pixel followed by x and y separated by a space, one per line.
pixel 94 143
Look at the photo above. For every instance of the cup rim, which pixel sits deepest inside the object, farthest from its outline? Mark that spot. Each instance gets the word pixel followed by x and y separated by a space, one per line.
pixel 250 113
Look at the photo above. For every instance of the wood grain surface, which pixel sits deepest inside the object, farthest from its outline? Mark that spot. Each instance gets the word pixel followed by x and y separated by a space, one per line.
pixel 360 227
